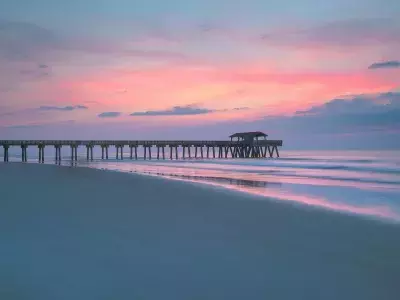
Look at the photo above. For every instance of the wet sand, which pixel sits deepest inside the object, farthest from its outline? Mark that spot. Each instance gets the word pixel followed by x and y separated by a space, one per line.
pixel 79 233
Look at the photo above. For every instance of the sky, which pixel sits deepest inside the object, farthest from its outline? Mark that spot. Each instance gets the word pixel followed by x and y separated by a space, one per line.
pixel 317 74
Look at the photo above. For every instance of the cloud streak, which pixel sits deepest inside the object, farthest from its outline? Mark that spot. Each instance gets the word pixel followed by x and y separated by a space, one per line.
pixel 62 108
pixel 109 114
pixel 175 111
pixel 391 64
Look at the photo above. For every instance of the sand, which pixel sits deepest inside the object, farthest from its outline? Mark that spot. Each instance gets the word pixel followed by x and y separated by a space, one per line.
pixel 77 233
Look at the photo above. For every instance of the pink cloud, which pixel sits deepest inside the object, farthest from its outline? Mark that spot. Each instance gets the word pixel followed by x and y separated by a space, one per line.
pixel 269 92
pixel 151 74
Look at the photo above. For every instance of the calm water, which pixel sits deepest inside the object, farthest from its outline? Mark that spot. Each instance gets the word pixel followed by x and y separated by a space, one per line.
pixel 356 182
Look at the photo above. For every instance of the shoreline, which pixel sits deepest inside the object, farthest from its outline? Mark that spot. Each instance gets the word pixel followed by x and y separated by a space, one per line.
pixel 386 219
pixel 279 198
pixel 87 234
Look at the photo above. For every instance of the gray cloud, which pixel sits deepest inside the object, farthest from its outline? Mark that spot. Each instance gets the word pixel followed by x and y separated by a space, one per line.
pixel 62 108
pixel 8 112
pixel 25 41
pixel 346 119
pixel 175 111
pixel 391 64
pixel 36 72
pixel 109 114
pixel 358 104
pixel 184 111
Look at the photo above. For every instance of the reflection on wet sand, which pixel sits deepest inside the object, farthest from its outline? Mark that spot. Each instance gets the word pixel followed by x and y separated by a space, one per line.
pixel 221 180
pixel 346 190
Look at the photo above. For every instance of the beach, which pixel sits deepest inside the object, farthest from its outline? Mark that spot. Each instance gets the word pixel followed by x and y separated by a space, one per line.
pixel 81 233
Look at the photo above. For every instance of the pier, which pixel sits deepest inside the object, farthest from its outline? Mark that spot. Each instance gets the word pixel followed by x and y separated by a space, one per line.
pixel 240 145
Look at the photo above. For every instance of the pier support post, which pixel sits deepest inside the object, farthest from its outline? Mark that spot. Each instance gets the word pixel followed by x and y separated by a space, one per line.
pixel 271 151
pixel 150 152
pixel 122 151
pixel 263 151
pixel 5 148
pixel 136 152
pixel 201 152
pixel 58 152
pixel 106 147
pixel 41 153
pixel 277 152
pixel 170 152
pixel 208 151
pixel 189 152
pixel 87 152
pixel 176 152
pixel 158 152
pixel 131 152
pixel 163 152
pixel 183 152
pixel 117 152
pixel 102 151
pixel 195 152
pixel 213 151
pixel 24 153
pixel 145 152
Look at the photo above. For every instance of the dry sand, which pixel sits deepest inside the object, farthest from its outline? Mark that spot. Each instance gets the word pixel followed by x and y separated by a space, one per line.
pixel 77 233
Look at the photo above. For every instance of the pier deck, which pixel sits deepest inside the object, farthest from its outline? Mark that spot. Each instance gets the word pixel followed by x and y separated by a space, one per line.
pixel 219 149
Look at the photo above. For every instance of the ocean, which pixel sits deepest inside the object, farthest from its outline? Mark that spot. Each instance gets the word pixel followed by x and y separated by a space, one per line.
pixel 365 183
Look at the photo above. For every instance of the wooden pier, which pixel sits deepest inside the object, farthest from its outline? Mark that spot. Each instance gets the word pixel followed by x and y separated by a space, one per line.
pixel 240 145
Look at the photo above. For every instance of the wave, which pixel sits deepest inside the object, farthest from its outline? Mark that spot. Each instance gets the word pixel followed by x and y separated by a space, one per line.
pixel 269 167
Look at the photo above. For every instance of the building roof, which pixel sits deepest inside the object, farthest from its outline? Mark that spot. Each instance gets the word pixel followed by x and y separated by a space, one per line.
pixel 252 134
